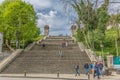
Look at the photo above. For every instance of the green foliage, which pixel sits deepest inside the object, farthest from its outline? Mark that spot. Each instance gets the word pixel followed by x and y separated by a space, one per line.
pixel 98 38
pixel 86 14
pixel 79 35
pixel 18 21
pixel 109 43
pixel 110 37
pixel 94 21
pixel 114 20
pixel 102 18
pixel 39 37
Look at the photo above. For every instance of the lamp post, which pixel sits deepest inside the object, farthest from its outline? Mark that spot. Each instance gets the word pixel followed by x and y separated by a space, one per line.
pixel 17 43
pixel 116 45
pixel 101 45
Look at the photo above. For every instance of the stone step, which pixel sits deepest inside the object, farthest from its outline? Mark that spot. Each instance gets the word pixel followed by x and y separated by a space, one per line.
pixel 56 43
pixel 39 47
pixel 47 60
pixel 68 39
pixel 58 37
pixel 53 52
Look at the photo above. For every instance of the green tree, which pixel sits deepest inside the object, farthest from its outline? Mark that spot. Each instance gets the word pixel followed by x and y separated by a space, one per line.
pixel 20 20
pixel 114 21
pixel 91 17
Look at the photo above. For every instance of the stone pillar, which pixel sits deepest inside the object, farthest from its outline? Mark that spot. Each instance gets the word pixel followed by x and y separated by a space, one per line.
pixel 46 30
pixel 110 61
pixel 1 41
pixel 73 29
pixel 100 58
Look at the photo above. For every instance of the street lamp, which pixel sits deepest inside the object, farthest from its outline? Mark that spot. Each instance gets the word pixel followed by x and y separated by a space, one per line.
pixel 17 42
pixel 101 45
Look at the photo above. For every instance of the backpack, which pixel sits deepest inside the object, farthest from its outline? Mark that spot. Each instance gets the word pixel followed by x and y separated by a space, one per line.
pixel 76 67
pixel 101 66
pixel 91 66
pixel 86 66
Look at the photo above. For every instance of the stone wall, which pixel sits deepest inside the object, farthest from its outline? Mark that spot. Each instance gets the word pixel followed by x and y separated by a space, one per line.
pixel 8 60
pixel 110 61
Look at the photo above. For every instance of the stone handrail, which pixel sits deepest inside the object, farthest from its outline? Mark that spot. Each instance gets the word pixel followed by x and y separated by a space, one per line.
pixel 41 39
pixel 74 39
pixel 83 49
pixel 81 46
pixel 89 52
pixel 9 59
pixel 29 46
pixel 32 44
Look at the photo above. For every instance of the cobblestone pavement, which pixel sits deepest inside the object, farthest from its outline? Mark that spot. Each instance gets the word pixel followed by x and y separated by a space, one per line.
pixel 53 77
pixel 8 78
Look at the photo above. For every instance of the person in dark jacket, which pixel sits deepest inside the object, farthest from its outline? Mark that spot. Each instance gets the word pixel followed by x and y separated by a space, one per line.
pixel 101 68
pixel 86 67
pixel 77 70
pixel 43 45
pixel 97 72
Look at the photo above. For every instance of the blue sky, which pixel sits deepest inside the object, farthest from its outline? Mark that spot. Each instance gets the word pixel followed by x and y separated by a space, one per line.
pixel 54 14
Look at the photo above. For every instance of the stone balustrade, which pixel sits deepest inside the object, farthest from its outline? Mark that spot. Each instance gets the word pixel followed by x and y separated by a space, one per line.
pixel 8 60
pixel 90 53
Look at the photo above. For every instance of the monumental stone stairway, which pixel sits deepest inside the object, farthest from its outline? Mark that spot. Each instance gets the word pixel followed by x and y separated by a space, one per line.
pixel 47 60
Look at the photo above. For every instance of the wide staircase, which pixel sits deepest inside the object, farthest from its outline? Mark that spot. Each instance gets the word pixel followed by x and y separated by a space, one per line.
pixel 46 60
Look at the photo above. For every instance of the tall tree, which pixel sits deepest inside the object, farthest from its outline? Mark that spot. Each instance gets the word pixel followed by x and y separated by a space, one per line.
pixel 114 21
pixel 91 16
pixel 20 19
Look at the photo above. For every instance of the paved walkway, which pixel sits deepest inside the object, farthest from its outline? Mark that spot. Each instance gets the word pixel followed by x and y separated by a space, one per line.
pixel 52 77
pixel 8 78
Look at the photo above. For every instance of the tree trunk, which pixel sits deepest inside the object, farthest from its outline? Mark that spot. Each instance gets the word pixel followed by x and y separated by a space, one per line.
pixel 86 39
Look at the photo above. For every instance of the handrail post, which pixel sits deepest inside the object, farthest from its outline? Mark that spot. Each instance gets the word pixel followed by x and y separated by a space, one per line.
pixel 25 73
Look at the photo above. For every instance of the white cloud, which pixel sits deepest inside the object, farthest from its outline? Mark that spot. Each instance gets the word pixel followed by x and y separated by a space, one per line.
pixel 40 3
pixel 47 18
pixel 57 25
pixel 1 1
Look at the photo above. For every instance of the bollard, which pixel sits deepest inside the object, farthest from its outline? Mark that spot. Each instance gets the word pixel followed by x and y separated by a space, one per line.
pixel 88 76
pixel 58 74
pixel 24 73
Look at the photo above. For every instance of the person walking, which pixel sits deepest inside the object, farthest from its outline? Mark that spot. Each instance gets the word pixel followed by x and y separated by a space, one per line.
pixel 43 45
pixel 86 67
pixel 77 70
pixel 97 72
pixel 60 53
pixel 66 44
pixel 101 68
pixel 92 67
